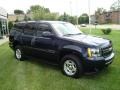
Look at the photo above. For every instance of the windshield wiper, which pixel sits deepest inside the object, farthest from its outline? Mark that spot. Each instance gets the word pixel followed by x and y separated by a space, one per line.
pixel 72 34
pixel 78 34
pixel 68 34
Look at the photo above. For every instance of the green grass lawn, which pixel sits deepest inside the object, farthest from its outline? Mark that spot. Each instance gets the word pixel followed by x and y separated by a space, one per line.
pixel 34 75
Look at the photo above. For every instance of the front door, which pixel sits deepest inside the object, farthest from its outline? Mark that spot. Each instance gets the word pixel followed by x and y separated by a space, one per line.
pixel 45 46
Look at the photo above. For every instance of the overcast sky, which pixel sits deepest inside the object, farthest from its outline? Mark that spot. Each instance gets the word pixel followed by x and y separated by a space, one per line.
pixel 76 7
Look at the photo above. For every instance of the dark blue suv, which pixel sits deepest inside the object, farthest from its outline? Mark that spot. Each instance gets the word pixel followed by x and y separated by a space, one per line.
pixel 61 43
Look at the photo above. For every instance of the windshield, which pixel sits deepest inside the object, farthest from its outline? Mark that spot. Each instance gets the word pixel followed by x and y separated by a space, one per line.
pixel 66 29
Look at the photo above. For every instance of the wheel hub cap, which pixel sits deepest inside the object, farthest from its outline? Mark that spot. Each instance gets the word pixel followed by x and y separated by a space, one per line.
pixel 70 67
pixel 18 54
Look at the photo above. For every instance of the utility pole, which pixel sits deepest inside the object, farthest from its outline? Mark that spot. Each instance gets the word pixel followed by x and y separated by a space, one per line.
pixel 76 12
pixel 118 11
pixel 70 4
pixel 44 2
pixel 89 16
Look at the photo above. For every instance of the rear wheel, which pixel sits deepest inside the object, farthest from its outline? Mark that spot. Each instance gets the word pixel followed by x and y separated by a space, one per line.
pixel 72 66
pixel 18 53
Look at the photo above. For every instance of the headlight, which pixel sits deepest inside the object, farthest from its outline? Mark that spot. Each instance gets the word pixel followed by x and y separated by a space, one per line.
pixel 92 52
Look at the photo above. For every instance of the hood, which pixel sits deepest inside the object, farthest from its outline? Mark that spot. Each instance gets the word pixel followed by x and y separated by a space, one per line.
pixel 89 40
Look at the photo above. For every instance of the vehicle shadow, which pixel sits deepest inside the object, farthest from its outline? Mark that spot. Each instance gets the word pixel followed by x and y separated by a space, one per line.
pixel 42 63
pixel 98 74
pixel 87 74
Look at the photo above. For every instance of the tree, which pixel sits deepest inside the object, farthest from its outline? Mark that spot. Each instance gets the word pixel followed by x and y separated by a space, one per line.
pixel 17 12
pixel 51 16
pixel 47 10
pixel 41 13
pixel 26 18
pixel 68 18
pixel 98 12
pixel 115 6
pixel 73 19
pixel 64 17
pixel 84 18
pixel 28 11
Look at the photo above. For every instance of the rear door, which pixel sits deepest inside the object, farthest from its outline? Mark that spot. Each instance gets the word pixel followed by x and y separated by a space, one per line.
pixel 15 34
pixel 27 36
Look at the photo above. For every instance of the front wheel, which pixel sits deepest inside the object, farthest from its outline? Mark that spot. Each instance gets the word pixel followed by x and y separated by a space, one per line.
pixel 72 66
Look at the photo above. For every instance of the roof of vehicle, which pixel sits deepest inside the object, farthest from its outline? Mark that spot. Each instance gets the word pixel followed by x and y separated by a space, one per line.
pixel 24 22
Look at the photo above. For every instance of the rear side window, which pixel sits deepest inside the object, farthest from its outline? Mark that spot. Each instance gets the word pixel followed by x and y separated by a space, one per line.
pixel 42 28
pixel 19 27
pixel 30 29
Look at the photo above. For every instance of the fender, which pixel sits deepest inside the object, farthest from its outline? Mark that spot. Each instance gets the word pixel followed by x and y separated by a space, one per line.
pixel 69 49
pixel 72 47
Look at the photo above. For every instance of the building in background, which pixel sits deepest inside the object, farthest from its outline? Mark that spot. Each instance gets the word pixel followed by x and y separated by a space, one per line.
pixel 111 17
pixel 19 17
pixel 3 22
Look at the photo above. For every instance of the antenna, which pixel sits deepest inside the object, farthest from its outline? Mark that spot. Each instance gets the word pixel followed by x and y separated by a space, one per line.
pixel 89 16
pixel 44 2
pixel 70 4
pixel 77 11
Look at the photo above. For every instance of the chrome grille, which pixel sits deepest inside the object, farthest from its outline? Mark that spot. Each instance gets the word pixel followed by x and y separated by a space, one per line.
pixel 106 51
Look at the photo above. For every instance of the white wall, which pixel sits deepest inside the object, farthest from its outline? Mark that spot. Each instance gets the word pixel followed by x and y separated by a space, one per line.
pixel 3 12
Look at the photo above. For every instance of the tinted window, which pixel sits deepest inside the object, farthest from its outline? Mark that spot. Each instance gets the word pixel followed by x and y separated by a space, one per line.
pixel 42 28
pixel 30 29
pixel 19 27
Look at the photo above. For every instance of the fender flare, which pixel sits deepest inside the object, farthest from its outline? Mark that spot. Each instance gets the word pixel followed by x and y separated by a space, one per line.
pixel 72 47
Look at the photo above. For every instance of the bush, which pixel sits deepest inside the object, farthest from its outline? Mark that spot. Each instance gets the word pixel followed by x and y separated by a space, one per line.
pixel 107 31
pixel 10 25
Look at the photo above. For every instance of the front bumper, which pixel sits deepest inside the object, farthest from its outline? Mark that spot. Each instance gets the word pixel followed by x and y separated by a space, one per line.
pixel 99 62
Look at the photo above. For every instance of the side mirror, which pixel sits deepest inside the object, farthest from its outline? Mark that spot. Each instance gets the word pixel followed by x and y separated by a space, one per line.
pixel 47 34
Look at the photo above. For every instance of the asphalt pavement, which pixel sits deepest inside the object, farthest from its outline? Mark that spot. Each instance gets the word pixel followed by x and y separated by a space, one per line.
pixel 112 26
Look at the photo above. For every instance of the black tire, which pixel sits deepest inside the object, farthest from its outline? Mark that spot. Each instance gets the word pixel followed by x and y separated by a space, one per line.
pixel 78 65
pixel 21 58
